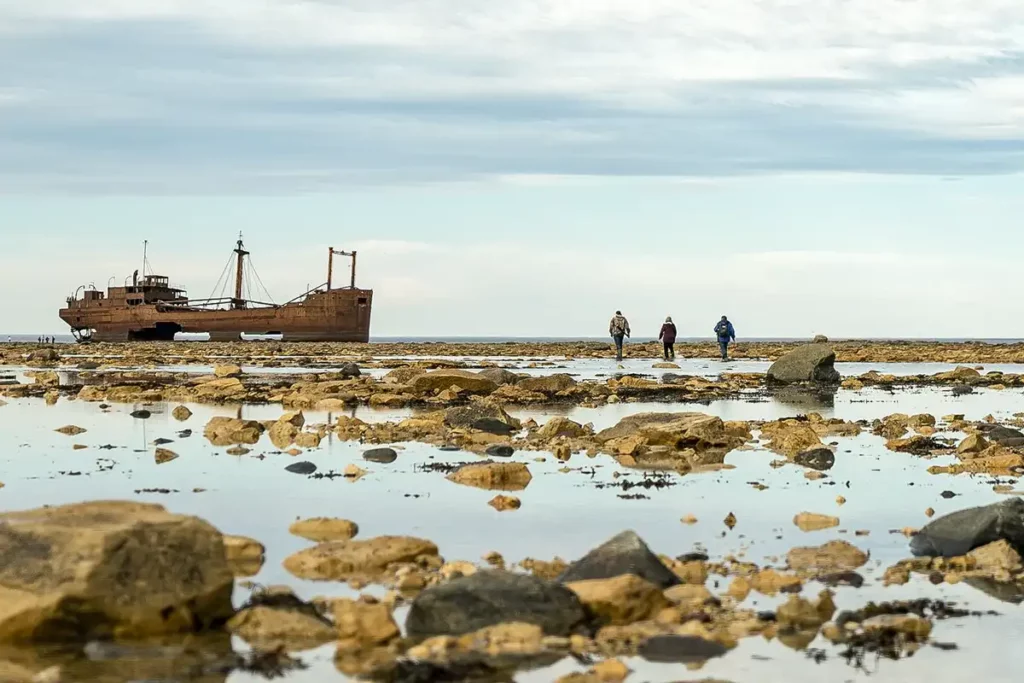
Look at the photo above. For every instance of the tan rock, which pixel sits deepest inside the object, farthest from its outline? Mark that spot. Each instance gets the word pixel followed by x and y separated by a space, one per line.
pixel 908 624
pixel 324 529
pixel 689 519
pixel 282 433
pixel 561 426
pixel 739 589
pixel 439 380
pixel 224 389
pixel 831 557
pixel 998 555
pixel 100 561
pixel 244 555
pixel 164 455
pixel 975 443
pixel 71 430
pixel 620 600
pixel 227 371
pixel 790 436
pixel 341 560
pixel 610 671
pixel 227 431
pixel 687 595
pixel 281 622
pixel 307 440
pixel 811 521
pixel 801 613
pixel 503 503
pixel 362 623
pixel 769 582
pixel 505 476
pixel 353 472
pixel 181 413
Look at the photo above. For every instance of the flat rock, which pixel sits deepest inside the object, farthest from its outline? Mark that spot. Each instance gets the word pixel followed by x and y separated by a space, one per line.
pixel 439 380
pixel 812 521
pixel 71 430
pixel 483 416
pixel 625 553
pixel 341 560
pixel 384 456
pixel 500 450
pixel 503 476
pixel 808 363
pixel 324 529
pixel 831 557
pixel 960 532
pixel 493 597
pixel 680 649
pixel 550 385
pixel 164 455
pixel 820 459
pixel 619 600
pixel 500 376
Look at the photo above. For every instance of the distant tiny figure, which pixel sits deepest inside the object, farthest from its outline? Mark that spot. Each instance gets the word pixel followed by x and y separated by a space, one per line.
pixel 668 338
pixel 725 333
pixel 618 328
pixel 39 339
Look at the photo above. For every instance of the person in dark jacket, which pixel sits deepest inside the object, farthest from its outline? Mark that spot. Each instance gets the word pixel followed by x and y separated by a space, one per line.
pixel 668 338
pixel 725 333
pixel 618 328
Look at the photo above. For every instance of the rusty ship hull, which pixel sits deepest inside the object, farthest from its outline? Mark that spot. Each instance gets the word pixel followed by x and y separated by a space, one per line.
pixel 339 315
pixel 151 309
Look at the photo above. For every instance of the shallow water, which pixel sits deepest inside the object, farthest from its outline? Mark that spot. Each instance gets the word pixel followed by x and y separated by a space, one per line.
pixel 563 513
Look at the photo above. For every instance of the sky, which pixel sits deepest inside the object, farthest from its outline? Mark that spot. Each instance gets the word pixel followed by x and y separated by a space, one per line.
pixel 525 168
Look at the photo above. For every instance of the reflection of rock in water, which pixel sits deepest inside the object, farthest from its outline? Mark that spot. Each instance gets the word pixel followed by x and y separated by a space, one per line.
pixel 807 398
pixel 1004 591
pixel 206 659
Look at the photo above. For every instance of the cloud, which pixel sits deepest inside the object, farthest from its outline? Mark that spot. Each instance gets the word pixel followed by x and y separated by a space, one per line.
pixel 153 96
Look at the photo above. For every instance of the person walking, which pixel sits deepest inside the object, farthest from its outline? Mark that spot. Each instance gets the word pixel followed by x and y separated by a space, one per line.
pixel 618 328
pixel 725 333
pixel 668 338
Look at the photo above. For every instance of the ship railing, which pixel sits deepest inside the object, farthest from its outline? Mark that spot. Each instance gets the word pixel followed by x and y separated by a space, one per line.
pixel 216 303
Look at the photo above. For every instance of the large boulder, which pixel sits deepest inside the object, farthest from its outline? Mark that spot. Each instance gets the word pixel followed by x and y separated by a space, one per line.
pixel 493 597
pixel 552 384
pixel 809 363
pixel 678 430
pixel 107 570
pixel 483 416
pixel 625 553
pixel 502 476
pixel 960 532
pixel 439 380
pixel 342 560
pixel 500 376
pixel 227 431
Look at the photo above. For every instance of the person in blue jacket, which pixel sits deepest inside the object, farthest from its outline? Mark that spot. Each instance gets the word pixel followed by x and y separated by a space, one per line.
pixel 725 333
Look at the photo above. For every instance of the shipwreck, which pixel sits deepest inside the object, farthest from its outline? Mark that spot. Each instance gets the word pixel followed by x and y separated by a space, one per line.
pixel 150 308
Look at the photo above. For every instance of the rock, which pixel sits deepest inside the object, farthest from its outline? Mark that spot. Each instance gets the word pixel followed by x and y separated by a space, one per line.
pixel 665 366
pixel 811 521
pixel 383 456
pixel 302 467
pixel 561 426
pixel 500 450
pixel 625 553
pixel 353 472
pixel 223 371
pixel 277 619
pixel 503 503
pixel 44 355
pixel 769 582
pixel 998 555
pixel 164 455
pixel 71 430
pixel 363 624
pixel 975 443
pixel 181 413
pixel 244 555
pixel 307 440
pixel 683 649
pixel 819 339
pixel 800 613
pixel 227 431
pixel 910 625
pixel 133 569
pixel 238 450
pixel 791 437
pixel 960 532
pixel 324 529
pixel 439 380
pixel 493 597
pixel 810 363
pixel 504 476
pixel 820 459
pixel 550 385
pixel 830 557
pixel 223 389
pixel 916 445
pixel 282 434
pixel 499 376
pixel 483 416
pixel 1005 436
pixel 619 600
pixel 349 370
pixel 342 560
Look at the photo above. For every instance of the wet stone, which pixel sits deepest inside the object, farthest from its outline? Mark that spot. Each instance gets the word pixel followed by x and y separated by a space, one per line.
pixel 383 456
pixel 626 553
pixel 303 467
pixel 680 649
pixel 820 459
pixel 500 451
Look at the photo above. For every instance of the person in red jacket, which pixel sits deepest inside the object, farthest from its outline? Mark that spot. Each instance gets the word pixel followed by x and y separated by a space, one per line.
pixel 668 338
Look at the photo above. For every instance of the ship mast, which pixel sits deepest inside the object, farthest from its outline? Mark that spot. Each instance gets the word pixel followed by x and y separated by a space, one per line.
pixel 237 302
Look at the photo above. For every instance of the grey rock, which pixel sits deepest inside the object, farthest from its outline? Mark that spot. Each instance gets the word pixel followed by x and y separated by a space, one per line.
pixel 820 339
pixel 626 553
pixel 141 414
pixel 350 370
pixel 500 450
pixel 500 376
pixel 493 597
pixel 960 532
pixel 383 456
pixel 820 459
pixel 483 416
pixel 681 649
pixel 808 363
pixel 304 467
pixel 1004 436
